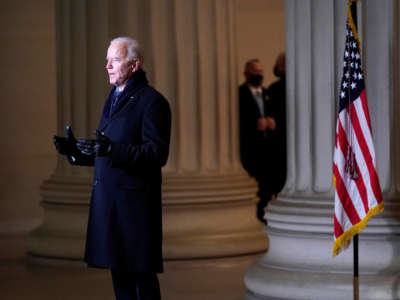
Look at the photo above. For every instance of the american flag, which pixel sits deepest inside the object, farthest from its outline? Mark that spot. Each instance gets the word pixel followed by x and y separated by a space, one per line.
pixel 358 195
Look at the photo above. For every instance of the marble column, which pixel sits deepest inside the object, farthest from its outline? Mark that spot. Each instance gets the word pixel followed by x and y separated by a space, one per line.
pixel 208 199
pixel 299 262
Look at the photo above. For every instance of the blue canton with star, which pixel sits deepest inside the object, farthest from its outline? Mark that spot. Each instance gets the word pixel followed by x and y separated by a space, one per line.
pixel 353 79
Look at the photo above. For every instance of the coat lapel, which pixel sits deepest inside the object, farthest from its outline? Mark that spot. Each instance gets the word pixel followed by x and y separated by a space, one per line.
pixel 137 82
pixel 253 101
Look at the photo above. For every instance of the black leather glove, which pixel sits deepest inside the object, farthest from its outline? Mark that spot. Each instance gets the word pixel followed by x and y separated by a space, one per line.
pixel 101 146
pixel 86 146
pixel 66 145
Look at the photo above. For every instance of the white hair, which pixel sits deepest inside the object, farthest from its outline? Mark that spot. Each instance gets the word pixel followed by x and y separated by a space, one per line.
pixel 133 48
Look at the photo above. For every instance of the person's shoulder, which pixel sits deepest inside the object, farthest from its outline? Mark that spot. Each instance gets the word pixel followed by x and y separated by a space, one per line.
pixel 273 85
pixel 280 83
pixel 152 93
pixel 244 87
pixel 154 98
pixel 244 91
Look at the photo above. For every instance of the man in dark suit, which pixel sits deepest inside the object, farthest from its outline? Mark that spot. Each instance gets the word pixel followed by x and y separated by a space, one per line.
pixel 257 133
pixel 124 230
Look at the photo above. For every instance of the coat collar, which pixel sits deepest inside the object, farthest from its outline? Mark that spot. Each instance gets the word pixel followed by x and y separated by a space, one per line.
pixel 136 83
pixel 138 79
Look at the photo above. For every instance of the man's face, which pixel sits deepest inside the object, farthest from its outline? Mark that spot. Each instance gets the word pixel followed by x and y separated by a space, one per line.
pixel 255 68
pixel 118 68
pixel 254 74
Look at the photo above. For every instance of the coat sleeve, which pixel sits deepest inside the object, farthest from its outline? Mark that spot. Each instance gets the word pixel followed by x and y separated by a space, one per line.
pixel 154 149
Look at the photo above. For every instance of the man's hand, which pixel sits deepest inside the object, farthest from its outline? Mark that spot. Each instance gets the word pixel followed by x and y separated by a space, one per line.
pixel 66 145
pixel 266 123
pixel 101 146
pixel 262 124
pixel 86 146
pixel 271 123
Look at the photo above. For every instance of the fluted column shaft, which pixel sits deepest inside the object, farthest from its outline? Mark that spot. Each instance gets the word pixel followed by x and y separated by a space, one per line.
pixel 299 263
pixel 208 199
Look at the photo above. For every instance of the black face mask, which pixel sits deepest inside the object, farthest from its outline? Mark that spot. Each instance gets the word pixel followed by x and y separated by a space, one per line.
pixel 255 79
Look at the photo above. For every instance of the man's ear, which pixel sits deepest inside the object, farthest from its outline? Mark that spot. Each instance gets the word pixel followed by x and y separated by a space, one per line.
pixel 135 65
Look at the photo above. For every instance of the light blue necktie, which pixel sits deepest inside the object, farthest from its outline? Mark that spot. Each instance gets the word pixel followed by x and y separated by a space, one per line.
pixel 260 102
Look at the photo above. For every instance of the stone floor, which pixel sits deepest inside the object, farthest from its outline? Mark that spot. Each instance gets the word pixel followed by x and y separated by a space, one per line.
pixel 212 279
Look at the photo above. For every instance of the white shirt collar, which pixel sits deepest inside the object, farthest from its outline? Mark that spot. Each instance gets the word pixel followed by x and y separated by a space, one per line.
pixel 255 90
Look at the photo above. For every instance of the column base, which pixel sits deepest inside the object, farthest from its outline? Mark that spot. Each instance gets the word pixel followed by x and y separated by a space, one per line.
pixel 62 234
pixel 264 282
pixel 204 216
pixel 299 262
pixel 212 215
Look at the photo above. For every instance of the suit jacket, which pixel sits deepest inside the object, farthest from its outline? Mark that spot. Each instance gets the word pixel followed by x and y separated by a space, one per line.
pixel 255 146
pixel 125 226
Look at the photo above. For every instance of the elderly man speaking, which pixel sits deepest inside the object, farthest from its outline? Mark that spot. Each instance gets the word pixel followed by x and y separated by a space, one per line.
pixel 124 231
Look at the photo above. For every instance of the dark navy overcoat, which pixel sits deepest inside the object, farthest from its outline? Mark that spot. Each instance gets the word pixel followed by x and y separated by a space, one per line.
pixel 125 220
